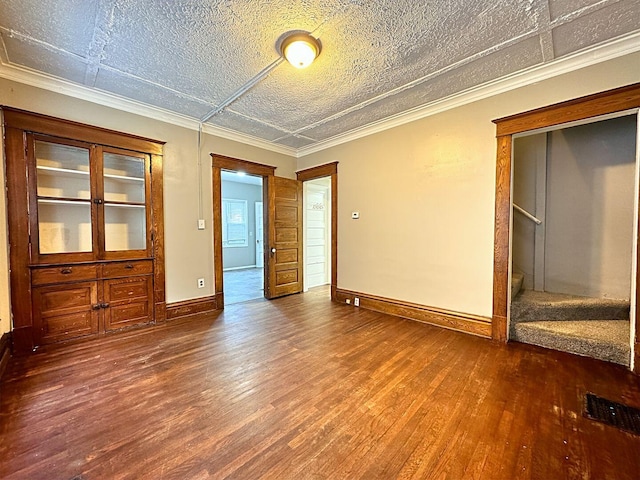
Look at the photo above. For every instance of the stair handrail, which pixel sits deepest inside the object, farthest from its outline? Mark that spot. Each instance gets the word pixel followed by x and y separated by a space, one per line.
pixel 527 214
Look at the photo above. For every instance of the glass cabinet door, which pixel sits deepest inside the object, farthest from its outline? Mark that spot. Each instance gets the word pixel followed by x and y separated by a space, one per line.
pixel 63 197
pixel 125 190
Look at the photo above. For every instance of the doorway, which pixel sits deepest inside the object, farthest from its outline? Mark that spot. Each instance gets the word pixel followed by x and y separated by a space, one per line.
pixel 242 237
pixel 281 234
pixel 612 103
pixel 572 238
pixel 317 232
pixel 320 186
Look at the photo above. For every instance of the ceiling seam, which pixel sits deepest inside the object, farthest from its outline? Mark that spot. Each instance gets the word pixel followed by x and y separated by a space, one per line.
pixel 99 40
pixel 4 53
pixel 544 27
pixel 420 80
pixel 47 46
pixel 286 132
pixel 569 17
pixel 163 87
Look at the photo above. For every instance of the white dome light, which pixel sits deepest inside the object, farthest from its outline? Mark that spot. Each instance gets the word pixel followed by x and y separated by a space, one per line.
pixel 300 49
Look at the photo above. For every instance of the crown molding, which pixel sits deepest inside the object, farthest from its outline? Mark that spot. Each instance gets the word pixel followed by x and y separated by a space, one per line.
pixel 585 58
pixel 100 97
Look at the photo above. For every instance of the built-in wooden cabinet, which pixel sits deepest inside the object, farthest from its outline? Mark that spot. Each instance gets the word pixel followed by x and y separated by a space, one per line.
pixel 85 229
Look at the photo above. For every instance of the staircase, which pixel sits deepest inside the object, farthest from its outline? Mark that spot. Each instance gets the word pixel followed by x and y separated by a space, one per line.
pixel 593 327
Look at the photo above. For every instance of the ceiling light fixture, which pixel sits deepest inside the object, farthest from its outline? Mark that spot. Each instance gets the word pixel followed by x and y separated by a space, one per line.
pixel 300 49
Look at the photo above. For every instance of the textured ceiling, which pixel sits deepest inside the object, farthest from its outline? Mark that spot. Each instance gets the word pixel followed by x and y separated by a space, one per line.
pixel 379 58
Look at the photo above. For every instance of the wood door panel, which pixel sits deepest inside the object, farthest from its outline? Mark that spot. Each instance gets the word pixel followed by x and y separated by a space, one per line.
pixel 286 277
pixel 129 300
pixel 285 234
pixel 135 313
pixel 287 256
pixel 286 190
pixel 65 298
pixel 65 311
pixel 127 290
pixel 63 327
pixel 287 214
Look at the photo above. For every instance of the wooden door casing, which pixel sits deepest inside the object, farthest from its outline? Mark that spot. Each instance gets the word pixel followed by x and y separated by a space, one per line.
pixel 219 163
pixel 285 237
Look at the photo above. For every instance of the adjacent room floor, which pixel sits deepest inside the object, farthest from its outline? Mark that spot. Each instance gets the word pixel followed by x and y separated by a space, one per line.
pixel 243 285
pixel 302 388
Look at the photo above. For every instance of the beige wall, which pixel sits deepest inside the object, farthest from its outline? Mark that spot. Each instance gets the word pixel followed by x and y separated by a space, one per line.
pixel 425 192
pixel 189 251
pixel 589 214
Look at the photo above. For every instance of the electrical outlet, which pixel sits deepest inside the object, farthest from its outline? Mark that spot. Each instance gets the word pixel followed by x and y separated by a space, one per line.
pixel 201 283
pixel 201 224
pixel 356 301
pixel 348 300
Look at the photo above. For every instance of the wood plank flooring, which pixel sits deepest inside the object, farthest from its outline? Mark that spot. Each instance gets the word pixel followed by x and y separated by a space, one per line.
pixel 300 388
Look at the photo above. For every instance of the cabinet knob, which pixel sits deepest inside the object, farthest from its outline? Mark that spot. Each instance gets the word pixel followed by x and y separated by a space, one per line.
pixel 66 271
pixel 129 266
pixel 97 201
pixel 104 305
pixel 96 306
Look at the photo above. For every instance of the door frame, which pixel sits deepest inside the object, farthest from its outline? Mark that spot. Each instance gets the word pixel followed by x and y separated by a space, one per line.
pixel 327 225
pixel 219 163
pixel 604 103
pixel 255 208
pixel 328 170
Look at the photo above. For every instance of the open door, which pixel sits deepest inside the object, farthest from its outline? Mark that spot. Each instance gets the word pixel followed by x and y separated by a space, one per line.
pixel 285 238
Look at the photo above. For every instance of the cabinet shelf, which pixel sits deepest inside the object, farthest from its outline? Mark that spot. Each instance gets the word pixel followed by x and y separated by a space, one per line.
pixel 55 171
pixel 65 201
pixel 125 205
pixel 124 178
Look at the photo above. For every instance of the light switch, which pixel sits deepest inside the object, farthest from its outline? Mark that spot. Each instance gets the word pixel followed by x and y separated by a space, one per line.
pixel 201 224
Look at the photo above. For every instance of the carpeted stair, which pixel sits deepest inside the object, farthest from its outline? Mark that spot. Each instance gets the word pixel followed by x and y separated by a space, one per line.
pixel 593 327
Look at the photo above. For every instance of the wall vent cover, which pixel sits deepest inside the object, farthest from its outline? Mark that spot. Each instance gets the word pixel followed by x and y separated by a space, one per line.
pixel 615 414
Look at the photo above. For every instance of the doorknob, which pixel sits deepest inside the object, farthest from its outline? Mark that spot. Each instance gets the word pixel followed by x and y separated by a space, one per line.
pixel 273 250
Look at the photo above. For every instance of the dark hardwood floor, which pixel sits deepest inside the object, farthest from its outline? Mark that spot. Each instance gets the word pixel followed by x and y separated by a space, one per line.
pixel 300 388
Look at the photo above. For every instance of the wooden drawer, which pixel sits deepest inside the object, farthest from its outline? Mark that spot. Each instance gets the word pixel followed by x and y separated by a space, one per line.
pixel 127 269
pixel 63 273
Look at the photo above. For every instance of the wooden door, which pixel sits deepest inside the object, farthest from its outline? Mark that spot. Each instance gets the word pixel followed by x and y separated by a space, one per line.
pixel 66 311
pixel 316 239
pixel 285 237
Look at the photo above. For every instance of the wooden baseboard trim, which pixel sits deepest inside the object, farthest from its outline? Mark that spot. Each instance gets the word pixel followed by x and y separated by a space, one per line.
pixel 461 322
pixel 192 307
pixel 5 352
